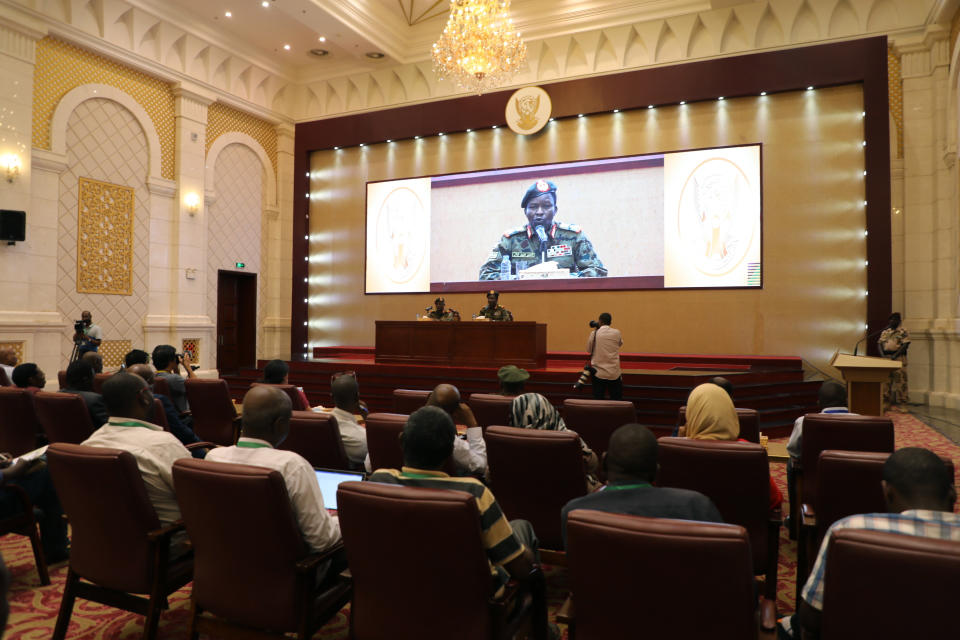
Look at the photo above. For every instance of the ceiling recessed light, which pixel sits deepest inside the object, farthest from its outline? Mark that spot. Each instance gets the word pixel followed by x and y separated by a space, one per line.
pixel 264 4
pixel 336 148
pixel 319 52
pixel 683 102
pixel 649 106
pixel 616 110
pixel 374 55
pixel 763 93
pixel 286 47
pixel 440 134
pixel 321 39
pixel 721 98
pixel 416 137
pixel 361 144
pixel 228 14
pixel 469 130
pixel 810 88
pixel 494 127
pixel 389 140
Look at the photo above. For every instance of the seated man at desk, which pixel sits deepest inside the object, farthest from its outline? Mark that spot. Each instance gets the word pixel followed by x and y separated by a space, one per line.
pixel 439 311
pixel 493 311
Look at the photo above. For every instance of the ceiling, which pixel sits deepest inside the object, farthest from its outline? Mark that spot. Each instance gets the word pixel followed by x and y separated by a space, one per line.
pixel 401 30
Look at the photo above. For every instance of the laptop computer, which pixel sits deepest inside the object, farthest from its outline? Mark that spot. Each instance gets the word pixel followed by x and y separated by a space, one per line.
pixel 330 479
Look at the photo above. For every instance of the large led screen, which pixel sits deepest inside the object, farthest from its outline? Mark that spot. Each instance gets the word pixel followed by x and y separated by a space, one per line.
pixel 673 220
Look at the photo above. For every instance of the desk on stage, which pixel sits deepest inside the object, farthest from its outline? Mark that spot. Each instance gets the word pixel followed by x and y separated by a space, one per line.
pixel 466 344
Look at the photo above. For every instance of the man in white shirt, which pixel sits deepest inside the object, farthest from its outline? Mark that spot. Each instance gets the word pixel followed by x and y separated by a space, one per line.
pixel 266 423
pixel 346 397
pixel 604 347
pixel 90 335
pixel 129 403
pixel 8 360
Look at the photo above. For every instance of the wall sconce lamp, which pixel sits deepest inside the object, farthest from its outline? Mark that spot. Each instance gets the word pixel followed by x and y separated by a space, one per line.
pixel 192 202
pixel 11 166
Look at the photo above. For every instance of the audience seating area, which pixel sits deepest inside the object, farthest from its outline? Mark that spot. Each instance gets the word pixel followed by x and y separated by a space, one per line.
pixel 120 557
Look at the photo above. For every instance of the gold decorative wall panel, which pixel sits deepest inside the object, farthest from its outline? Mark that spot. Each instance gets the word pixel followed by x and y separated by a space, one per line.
pixel 222 119
pixel 17 347
pixel 895 83
pixel 191 346
pixel 104 238
pixel 61 67
pixel 113 352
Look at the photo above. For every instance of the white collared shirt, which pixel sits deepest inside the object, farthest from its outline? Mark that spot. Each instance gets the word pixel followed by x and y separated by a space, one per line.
pixel 155 451
pixel 320 530
pixel 353 435
pixel 469 454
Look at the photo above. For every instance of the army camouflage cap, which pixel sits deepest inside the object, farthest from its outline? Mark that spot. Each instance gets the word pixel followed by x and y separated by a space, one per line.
pixel 539 188
pixel 493 293
pixel 512 373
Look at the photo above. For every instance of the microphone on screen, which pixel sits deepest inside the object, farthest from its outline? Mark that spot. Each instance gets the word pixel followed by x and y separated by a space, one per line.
pixel 541 233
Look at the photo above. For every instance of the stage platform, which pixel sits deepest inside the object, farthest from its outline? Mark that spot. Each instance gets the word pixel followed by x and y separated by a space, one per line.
pixel 657 384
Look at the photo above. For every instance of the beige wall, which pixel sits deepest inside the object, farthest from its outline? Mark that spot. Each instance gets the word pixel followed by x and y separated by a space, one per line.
pixel 814 275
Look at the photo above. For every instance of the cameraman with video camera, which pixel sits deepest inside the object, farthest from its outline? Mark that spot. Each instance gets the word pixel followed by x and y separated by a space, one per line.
pixel 86 335
pixel 604 347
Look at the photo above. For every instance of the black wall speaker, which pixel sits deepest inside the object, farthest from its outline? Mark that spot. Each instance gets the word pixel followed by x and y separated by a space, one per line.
pixel 13 225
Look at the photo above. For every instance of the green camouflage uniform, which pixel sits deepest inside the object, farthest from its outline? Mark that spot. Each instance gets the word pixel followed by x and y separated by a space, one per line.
pixel 568 247
pixel 446 314
pixel 498 313
pixel 896 389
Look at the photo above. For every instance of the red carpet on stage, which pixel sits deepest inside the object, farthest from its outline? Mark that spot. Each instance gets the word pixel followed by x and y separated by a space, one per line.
pixel 33 609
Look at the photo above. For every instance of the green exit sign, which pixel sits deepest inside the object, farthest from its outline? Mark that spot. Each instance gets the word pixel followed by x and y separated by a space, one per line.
pixel 241 265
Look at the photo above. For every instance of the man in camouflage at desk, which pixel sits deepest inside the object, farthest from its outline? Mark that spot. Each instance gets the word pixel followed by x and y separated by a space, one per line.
pixel 555 241
pixel 494 311
pixel 440 312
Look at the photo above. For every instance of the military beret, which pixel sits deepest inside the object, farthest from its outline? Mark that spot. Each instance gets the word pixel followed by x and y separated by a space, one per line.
pixel 539 188
pixel 512 373
pixel 493 293
pixel 439 300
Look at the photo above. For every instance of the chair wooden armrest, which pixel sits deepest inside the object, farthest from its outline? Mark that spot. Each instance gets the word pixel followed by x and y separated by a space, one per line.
pixel 566 613
pixel 166 532
pixel 312 561
pixel 202 444
pixel 808 517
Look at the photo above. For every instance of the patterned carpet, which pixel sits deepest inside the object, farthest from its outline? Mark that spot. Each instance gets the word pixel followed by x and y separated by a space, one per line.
pixel 33 609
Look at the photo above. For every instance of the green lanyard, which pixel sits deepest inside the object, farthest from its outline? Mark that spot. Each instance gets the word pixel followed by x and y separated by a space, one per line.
pixel 130 424
pixel 618 487
pixel 407 474
pixel 252 445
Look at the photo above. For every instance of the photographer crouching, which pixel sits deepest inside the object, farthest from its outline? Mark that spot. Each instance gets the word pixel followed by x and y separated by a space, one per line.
pixel 604 346
pixel 86 335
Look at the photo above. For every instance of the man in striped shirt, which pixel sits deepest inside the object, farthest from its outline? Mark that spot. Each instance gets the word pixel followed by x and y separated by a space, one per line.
pixel 918 488
pixel 427 441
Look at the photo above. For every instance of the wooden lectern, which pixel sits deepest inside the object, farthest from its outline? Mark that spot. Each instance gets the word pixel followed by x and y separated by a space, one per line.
pixel 865 376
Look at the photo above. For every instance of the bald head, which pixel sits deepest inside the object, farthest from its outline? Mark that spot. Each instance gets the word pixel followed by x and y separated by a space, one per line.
pixel 94 359
pixel 447 397
pixel 346 392
pixel 145 371
pixel 8 356
pixel 631 454
pixel 266 414
pixel 127 396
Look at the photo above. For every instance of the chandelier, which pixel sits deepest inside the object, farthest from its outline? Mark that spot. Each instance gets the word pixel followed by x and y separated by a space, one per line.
pixel 478 48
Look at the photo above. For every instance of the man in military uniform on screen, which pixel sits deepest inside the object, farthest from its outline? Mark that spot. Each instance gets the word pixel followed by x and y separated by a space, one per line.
pixel 494 311
pixel 543 239
pixel 440 312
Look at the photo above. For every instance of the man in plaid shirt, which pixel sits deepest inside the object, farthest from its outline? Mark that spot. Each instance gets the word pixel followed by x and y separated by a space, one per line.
pixel 920 496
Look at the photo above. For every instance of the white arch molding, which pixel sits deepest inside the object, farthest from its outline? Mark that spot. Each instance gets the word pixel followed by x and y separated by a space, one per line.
pixel 236 137
pixel 73 99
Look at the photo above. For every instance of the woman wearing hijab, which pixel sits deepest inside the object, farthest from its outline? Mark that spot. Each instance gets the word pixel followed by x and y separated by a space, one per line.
pixel 711 416
pixel 533 411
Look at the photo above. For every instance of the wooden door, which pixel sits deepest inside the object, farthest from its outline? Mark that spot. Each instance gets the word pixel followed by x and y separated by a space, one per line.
pixel 236 320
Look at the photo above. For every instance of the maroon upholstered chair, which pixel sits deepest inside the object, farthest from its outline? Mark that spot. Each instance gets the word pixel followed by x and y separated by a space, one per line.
pixel 383 440
pixel 736 477
pixel 229 510
pixel 848 483
pixel 443 563
pixel 840 431
pixel 4 379
pixel 289 389
pixel 18 421
pixel 749 422
pixel 316 437
pixel 214 418
pixel 98 380
pixel 63 416
pixel 62 379
pixel 871 572
pixel 24 523
pixel 490 408
pixel 596 420
pixel 159 416
pixel 118 547
pixel 627 574
pixel 534 474
pixel 409 400
pixel 161 386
